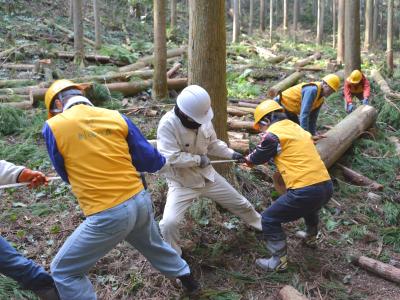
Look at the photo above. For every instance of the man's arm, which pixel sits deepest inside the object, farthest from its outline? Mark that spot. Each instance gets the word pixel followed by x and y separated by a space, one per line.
pixel 217 147
pixel 9 172
pixel 144 156
pixel 308 95
pixel 347 92
pixel 168 146
pixel 366 88
pixel 267 149
pixel 55 156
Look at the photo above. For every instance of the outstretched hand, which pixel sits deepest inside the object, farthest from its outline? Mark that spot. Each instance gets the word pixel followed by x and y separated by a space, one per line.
pixel 35 178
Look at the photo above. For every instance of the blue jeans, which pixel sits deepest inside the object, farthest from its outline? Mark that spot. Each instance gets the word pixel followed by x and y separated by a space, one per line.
pixel 295 204
pixel 132 221
pixel 23 270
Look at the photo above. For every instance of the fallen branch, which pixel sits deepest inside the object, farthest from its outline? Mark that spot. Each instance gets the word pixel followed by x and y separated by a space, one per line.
pixel 69 32
pixel 310 59
pixel 148 60
pixel 284 84
pixel 379 268
pixel 11 50
pixel 290 293
pixel 359 179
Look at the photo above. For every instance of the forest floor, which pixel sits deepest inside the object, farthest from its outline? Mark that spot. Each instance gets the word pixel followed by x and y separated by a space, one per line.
pixel 221 250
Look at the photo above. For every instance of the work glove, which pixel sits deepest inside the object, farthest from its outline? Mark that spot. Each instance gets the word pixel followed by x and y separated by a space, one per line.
pixel 349 107
pixel 204 161
pixel 365 101
pixel 34 178
pixel 239 157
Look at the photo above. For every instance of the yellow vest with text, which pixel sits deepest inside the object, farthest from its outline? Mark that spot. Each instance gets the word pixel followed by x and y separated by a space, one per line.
pixel 96 155
pixel 298 161
pixel 291 98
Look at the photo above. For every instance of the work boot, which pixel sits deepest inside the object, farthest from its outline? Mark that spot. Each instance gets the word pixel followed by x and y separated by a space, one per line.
pixel 47 293
pixel 278 260
pixel 190 285
pixel 309 236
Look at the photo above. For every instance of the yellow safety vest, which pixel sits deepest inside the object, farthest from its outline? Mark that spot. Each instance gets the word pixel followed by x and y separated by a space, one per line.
pixel 298 161
pixel 291 98
pixel 92 142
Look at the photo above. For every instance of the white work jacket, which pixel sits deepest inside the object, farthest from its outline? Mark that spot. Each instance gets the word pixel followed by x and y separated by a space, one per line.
pixel 9 172
pixel 182 148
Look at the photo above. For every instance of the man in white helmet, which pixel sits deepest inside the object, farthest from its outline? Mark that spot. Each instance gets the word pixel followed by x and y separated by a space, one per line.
pixel 185 136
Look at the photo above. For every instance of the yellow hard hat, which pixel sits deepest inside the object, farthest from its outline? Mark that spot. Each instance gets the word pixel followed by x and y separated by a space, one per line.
pixel 333 81
pixel 56 87
pixel 263 109
pixel 355 77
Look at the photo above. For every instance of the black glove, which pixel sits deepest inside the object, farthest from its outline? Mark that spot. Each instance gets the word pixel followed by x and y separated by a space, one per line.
pixel 204 161
pixel 239 157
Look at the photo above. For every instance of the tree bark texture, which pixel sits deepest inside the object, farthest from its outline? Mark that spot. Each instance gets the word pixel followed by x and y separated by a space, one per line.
pixel 295 17
pixel 271 18
pixel 352 55
pixel 290 293
pixel 308 60
pixel 334 10
pixel 236 22
pixel 285 16
pixel 173 14
pixel 251 17
pixel 369 22
pixel 379 268
pixel 320 21
pixel 97 24
pixel 360 179
pixel 340 37
pixel 376 23
pixel 78 33
pixel 284 84
pixel 262 15
pixel 160 90
pixel 389 37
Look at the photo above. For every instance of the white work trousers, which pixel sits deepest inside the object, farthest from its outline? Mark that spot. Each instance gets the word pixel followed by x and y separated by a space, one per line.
pixel 179 200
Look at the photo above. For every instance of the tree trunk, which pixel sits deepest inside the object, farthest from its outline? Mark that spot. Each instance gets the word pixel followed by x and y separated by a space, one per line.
pixel 389 38
pixel 352 55
pixel 236 22
pixel 262 15
pixel 340 137
pixel 78 34
pixel 71 11
pixel 173 15
pixel 320 21
pixel 295 18
pixel 160 90
pixel 376 22
pixel 285 16
pixel 207 63
pixel 334 23
pixel 284 84
pixel 383 270
pixel 251 17
pixel 359 179
pixel 290 293
pixel 340 38
pixel 97 24
pixel 369 15
pixel 271 18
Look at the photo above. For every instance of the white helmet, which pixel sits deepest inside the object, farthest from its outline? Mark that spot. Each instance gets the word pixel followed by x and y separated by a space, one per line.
pixel 195 102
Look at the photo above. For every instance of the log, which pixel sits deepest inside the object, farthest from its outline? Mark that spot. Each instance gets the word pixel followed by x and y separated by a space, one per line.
pixel 306 61
pixel 125 76
pixel 126 88
pixel 27 67
pixel 69 32
pixel 340 137
pixel 264 53
pixel 20 105
pixel 11 50
pixel 9 83
pixel 171 72
pixel 290 293
pixel 360 179
pixel 148 60
pixel 247 104
pixel 239 111
pixel 103 59
pixel 17 91
pixel 234 124
pixel 379 268
pixel 14 98
pixel 284 84
pixel 384 86
pixel 276 59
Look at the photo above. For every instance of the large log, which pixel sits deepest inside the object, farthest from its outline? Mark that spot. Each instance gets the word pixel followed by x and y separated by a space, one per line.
pixel 284 84
pixel 383 270
pixel 171 72
pixel 11 50
pixel 147 60
pixel 103 59
pixel 9 83
pixel 20 105
pixel 290 293
pixel 239 111
pixel 126 88
pixel 340 137
pixel 240 125
pixel 390 96
pixel 310 59
pixel 360 179
pixel 28 67
pixel 18 90
pixel 14 98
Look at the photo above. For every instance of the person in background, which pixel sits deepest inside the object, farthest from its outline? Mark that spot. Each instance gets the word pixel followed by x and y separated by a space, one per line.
pixel 12 264
pixel 303 101
pixel 186 136
pixel 307 181
pixel 356 85
pixel 101 153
